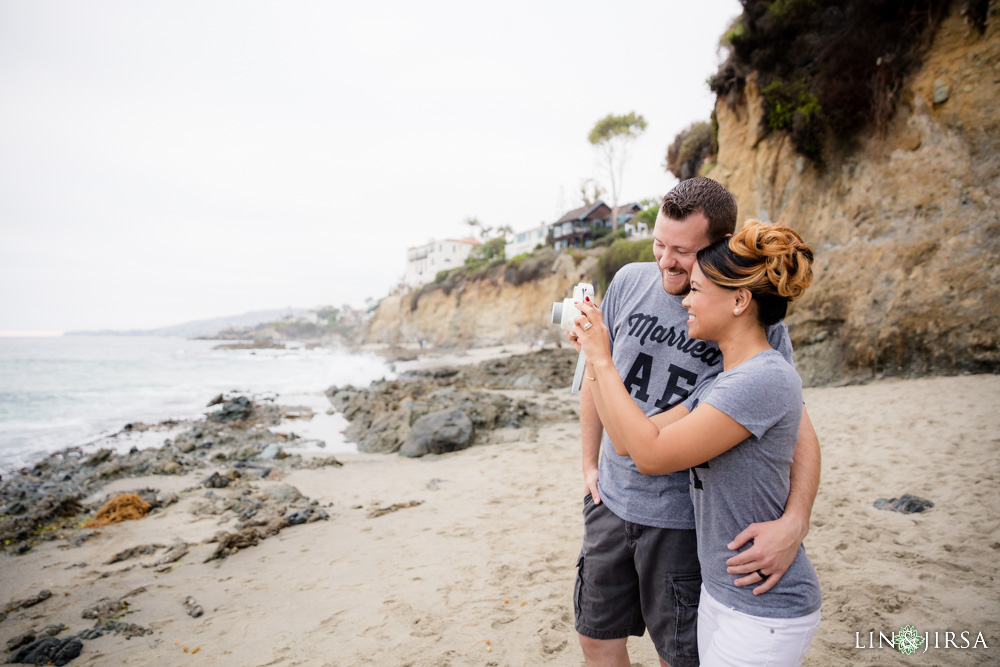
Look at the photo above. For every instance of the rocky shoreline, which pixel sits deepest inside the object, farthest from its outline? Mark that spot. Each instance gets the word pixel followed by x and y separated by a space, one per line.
pixel 448 409
pixel 237 459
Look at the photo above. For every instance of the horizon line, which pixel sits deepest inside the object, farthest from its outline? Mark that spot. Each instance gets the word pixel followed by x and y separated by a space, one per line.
pixel 31 334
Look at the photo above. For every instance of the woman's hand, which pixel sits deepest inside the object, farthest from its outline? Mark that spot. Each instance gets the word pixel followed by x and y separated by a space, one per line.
pixel 592 335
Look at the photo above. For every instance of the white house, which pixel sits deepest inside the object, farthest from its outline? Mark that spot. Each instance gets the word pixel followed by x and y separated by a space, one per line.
pixel 526 241
pixel 425 261
pixel 636 229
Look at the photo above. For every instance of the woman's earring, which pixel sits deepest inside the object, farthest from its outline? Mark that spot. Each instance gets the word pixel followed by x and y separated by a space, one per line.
pixel 736 311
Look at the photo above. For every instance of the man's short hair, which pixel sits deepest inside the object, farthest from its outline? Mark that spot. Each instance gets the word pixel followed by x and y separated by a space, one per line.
pixel 705 196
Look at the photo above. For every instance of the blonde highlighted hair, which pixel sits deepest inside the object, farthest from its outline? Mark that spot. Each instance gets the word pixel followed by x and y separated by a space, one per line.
pixel 769 259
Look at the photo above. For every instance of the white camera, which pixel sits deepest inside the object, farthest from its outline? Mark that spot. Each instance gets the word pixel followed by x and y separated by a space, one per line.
pixel 564 312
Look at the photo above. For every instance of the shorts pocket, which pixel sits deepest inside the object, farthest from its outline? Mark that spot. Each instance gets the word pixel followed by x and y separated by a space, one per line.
pixel 686 592
pixel 578 587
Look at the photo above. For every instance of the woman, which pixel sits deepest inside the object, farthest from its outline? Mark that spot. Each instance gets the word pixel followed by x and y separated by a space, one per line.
pixel 736 433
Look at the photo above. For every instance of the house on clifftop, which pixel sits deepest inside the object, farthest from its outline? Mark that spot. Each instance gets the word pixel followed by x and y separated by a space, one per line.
pixel 581 226
pixel 425 261
pixel 527 240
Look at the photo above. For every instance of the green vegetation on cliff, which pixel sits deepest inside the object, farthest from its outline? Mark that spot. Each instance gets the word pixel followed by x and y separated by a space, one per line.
pixel 691 147
pixel 620 253
pixel 827 69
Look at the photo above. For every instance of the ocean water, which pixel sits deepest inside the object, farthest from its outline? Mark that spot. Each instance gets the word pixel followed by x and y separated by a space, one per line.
pixel 76 390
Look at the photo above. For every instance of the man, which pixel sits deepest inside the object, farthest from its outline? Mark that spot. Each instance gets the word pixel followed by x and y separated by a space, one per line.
pixel 638 568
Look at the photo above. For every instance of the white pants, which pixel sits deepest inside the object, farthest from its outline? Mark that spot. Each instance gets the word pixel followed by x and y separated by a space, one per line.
pixel 728 637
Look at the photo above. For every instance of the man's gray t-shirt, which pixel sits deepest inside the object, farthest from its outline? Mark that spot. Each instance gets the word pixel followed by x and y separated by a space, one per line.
pixel 750 482
pixel 660 366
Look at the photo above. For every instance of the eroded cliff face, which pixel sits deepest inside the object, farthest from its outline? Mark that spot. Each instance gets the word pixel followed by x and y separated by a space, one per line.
pixel 486 310
pixel 906 227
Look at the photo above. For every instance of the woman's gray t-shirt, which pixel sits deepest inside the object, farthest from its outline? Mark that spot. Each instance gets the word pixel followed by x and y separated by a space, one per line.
pixel 750 482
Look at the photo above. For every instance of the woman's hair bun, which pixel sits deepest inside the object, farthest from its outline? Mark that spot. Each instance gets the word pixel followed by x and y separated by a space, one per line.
pixel 782 256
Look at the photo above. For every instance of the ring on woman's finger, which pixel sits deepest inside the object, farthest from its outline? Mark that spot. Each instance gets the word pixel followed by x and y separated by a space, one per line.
pixel 586 325
pixel 763 577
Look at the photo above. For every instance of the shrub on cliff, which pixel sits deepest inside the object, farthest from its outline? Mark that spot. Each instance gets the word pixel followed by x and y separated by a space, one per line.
pixel 620 253
pixel 608 237
pixel 826 68
pixel 529 266
pixel 691 147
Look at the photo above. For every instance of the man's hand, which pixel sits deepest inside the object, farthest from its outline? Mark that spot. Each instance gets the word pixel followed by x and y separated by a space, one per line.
pixel 590 485
pixel 571 337
pixel 775 544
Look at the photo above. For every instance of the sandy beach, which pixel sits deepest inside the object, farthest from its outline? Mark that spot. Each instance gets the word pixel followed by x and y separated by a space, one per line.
pixel 469 558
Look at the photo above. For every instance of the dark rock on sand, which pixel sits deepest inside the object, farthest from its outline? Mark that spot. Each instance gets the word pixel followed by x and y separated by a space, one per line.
pixel 176 551
pixel 322 462
pixel 52 630
pixel 193 609
pixel 105 608
pixel 216 481
pixel 98 457
pixel 272 451
pixel 906 504
pixel 132 552
pixel 129 630
pixel 236 409
pixel 83 536
pixel 45 504
pixel 382 416
pixel 247 536
pixel 48 650
pixel 154 498
pixel 40 596
pixel 262 513
pixel 16 507
pixel 15 643
pixel 31 636
pixel 305 515
pixel 438 433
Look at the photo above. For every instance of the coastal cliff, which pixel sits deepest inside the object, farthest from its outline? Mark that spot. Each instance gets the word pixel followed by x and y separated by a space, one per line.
pixel 503 304
pixel 905 226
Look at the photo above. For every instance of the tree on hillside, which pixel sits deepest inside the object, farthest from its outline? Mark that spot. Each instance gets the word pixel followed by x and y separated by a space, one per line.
pixel 614 135
pixel 474 224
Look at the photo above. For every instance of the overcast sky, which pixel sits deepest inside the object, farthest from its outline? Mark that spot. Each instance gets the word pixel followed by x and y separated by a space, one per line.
pixel 169 161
